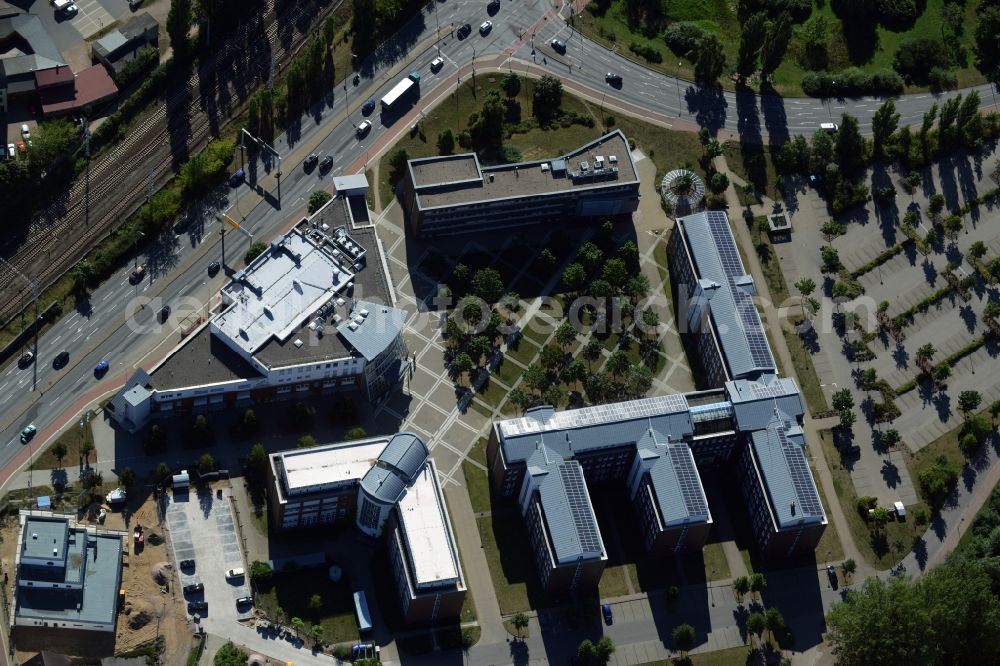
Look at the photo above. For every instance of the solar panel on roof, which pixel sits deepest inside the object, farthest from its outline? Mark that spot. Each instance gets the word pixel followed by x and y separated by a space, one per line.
pixel 760 351
pixel 694 498
pixel 583 518
pixel 726 247
pixel 805 491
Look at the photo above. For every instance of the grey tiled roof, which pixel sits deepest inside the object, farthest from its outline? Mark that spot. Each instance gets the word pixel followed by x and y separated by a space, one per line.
pixel 791 490
pixel 569 515
pixel 383 485
pixel 602 426
pixel 754 402
pixel 676 484
pixel 736 321
pixel 376 331
pixel 405 452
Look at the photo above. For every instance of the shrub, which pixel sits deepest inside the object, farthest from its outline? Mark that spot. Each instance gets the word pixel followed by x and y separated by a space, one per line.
pixel 897 13
pixel 852 82
pixel 144 61
pixel 646 51
pixel 317 200
pixel 942 79
pixel 937 480
pixel 915 58
pixel 683 37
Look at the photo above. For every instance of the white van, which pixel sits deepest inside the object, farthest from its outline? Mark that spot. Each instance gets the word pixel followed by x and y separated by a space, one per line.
pixel 235 573
pixel 829 127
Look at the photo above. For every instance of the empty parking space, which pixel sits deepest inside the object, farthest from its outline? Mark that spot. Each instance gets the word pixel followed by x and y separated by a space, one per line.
pixel 202 529
pixel 91 18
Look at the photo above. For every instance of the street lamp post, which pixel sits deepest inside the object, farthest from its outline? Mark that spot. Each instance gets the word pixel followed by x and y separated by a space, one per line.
pixel 680 108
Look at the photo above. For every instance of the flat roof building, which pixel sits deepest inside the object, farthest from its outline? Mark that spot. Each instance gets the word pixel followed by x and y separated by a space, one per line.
pixel 67 576
pixel 313 314
pixel 115 49
pixel 386 485
pixel 454 194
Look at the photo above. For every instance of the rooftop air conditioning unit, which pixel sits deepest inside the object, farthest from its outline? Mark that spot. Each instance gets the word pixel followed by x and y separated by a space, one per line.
pixel 545 167
pixel 352 326
pixel 363 313
pixel 613 159
pixel 584 166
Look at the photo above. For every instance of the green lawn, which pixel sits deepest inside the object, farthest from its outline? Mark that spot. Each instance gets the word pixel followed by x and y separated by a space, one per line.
pixel 808 379
pixel 879 552
pixel 514 571
pixel 716 565
pixel 492 393
pixel 292 591
pixel 525 352
pixel 611 28
pixel 476 481
pixel 73 438
pixel 613 583
pixel 753 164
pixel 737 656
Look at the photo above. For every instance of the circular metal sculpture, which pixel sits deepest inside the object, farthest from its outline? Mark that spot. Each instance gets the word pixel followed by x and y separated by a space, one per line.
pixel 683 191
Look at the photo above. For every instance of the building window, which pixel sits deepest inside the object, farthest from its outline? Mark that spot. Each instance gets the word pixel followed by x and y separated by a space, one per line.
pixel 369 514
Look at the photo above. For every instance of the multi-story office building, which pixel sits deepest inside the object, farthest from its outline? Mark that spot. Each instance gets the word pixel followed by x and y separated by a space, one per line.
pixel 653 444
pixel 454 194
pixel 313 314
pixel 386 485
pixel 67 579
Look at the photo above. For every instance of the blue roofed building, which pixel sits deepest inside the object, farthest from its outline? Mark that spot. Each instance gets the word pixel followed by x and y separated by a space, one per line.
pixel 68 578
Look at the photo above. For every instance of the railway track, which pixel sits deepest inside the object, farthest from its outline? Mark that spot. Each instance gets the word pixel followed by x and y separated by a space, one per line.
pixel 62 234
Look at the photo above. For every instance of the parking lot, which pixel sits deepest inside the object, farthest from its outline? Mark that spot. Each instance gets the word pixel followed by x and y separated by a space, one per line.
pixel 202 529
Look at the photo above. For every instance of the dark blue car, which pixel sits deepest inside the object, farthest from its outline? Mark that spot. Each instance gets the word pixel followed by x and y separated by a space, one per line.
pixel 237 178
pixel 101 368
pixel 368 107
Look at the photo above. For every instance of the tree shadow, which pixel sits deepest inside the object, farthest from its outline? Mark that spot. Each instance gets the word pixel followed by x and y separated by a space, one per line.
pixel 708 104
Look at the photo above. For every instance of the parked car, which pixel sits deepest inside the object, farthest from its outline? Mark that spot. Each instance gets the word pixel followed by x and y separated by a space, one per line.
pixel 235 573
pixel 326 163
pixel 61 359
pixel 28 433
pixel 437 64
pixel 197 606
pixel 70 10
pixel 831 572
pixel 214 267
pixel 163 313
pixel 194 588
pixel 368 106
pixel 310 161
pixel 364 127
pixel 606 612
pixel 237 178
pixel 26 359
pixel 25 131
pixel 244 601
pixel 559 45
pixel 464 31
pixel 493 7
pixel 101 368
pixel 187 564
pixel 485 27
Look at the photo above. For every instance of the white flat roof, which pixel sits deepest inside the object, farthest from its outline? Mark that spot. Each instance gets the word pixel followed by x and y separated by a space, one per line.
pixel 311 470
pixel 426 533
pixel 279 290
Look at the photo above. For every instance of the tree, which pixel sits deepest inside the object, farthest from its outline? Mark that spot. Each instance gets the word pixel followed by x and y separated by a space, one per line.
pixel 592 350
pixel 756 624
pixel 574 276
pixel 547 98
pixel 742 585
pixel 806 287
pixel 843 399
pixel 50 140
pixel 884 123
pixel 718 183
pixel 684 636
pixel 891 438
pixel 639 381
pixel 831 259
pixel 774 620
pixel 317 200
pixel 925 353
pixel 163 472
pixel 478 348
pixel 536 378
pixel 462 364
pixel 604 648
pixel 942 373
pixel 576 371
pixel 987 29
pixel 847 418
pixel 849 566
pixel 257 466
pixel 59 450
pixel 554 395
pixel 486 127
pixel 355 433
pixel 757 583
pixel 868 378
pixel 637 287
pixel 261 574
pixel 586 651
pixel 775 44
pixel 752 35
pixel 710 59
pixel 397 165
pixel 487 285
pixel 519 397
pixel 520 622
pixel 317 632
pixel 446 142
pixel 126 477
pixel 86 448
pixel 615 272
pixel 298 625
pixel 306 442
pixel 92 480
pixel 969 401
pixel 315 603
pixel 511 84
pixel 255 250
pixel 598 387
pixel 618 363
pixel 178 26
pixel 565 335
pixel 551 357
pixel 850 146
pixel 230 655
pixel 206 464
pixel 590 257
pixel 995 410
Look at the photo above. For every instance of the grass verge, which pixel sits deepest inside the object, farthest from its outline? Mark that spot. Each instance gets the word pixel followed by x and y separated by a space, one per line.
pixel 73 439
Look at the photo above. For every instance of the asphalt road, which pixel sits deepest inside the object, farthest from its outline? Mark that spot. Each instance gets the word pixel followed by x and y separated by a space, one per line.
pixel 176 276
